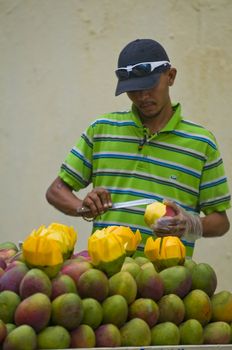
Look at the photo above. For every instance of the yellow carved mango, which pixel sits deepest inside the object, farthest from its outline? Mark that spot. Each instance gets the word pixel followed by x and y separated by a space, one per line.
pixel 48 247
pixel 109 246
pixel 165 251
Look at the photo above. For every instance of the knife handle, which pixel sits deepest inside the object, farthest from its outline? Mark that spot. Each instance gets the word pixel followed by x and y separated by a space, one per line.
pixel 83 210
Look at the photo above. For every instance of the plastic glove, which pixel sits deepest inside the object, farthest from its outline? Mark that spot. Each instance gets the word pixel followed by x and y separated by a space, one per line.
pixel 183 225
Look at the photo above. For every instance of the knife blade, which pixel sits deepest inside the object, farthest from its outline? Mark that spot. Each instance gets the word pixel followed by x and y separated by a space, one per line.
pixel 119 205
pixel 133 203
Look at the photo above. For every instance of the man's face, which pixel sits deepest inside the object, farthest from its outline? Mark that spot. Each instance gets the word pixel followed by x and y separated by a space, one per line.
pixel 152 101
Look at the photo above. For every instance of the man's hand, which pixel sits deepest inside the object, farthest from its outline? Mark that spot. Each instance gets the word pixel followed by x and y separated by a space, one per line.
pixel 96 202
pixel 183 224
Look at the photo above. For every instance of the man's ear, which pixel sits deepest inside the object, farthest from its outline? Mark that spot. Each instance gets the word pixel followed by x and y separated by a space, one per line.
pixel 171 76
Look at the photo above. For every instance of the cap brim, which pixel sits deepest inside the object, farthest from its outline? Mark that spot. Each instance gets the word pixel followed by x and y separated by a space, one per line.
pixel 137 83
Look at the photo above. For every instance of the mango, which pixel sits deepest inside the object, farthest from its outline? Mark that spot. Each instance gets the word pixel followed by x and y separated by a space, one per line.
pixel 222 306
pixel 93 312
pixel 83 337
pixel 131 267
pixel 34 311
pixel 149 284
pixel 35 281
pixel 115 310
pixel 8 245
pixel 10 327
pixel 146 309
pixel 67 311
pixel 171 309
pixel 189 263
pixel 141 260
pixel 3 331
pixel 165 333
pixel 12 277
pixel 155 211
pixel 74 269
pixel 124 284
pixel 8 303
pixel 191 332
pixel 177 280
pixel 2 264
pixel 204 278
pixel 198 306
pixel 21 338
pixel 93 283
pixel 54 337
pixel 107 335
pixel 135 332
pixel 62 284
pixel 217 333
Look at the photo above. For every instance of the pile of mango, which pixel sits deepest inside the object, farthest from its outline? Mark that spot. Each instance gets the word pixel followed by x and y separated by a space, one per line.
pixel 106 297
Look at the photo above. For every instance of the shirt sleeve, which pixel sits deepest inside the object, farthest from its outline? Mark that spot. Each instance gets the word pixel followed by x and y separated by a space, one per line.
pixel 76 169
pixel 214 190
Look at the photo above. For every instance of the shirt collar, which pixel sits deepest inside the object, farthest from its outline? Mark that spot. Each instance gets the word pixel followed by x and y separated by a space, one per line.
pixel 171 124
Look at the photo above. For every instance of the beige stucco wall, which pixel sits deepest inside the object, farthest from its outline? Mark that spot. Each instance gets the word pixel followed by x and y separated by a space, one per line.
pixel 57 61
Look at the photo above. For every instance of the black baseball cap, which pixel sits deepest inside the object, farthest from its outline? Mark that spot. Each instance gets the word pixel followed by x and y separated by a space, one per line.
pixel 140 51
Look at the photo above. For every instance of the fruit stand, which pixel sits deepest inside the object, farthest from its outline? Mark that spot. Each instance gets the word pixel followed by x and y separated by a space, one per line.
pixel 106 297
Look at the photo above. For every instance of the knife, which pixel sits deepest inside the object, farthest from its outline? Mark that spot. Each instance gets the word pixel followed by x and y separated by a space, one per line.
pixel 133 203
pixel 126 204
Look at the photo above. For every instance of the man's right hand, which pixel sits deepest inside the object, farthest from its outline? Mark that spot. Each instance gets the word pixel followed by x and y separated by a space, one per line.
pixel 96 202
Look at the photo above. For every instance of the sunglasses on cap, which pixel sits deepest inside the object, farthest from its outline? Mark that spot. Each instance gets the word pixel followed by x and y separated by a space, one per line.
pixel 140 69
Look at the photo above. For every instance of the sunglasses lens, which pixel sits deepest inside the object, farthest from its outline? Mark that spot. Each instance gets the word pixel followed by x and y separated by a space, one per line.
pixel 141 69
pixel 122 74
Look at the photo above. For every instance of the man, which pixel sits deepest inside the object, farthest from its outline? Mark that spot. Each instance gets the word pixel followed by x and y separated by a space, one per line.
pixel 149 152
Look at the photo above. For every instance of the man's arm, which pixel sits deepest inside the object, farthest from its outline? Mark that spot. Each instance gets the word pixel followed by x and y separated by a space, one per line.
pixel 61 196
pixel 215 224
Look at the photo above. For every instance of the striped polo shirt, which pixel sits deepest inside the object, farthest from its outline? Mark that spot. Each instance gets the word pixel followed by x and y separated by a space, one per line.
pixel 181 163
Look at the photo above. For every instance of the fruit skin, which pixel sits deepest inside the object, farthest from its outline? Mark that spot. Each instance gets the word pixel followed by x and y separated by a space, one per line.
pixel 3 331
pixel 8 303
pixel 165 333
pixel 83 337
pixel 107 335
pixel 10 327
pixel 189 263
pixel 35 281
pixel 204 278
pixel 93 312
pixel 217 333
pixel 8 245
pixel 132 267
pixel 54 337
pixel 2 264
pixel 115 310
pixel 146 309
pixel 191 332
pixel 198 306
pixel 62 284
pixel 12 277
pixel 171 308
pixel 21 338
pixel 7 251
pixel 75 269
pixel 35 311
pixel 222 306
pixel 177 280
pixel 67 311
pixel 150 284
pixel 93 283
pixel 135 332
pixel 124 284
